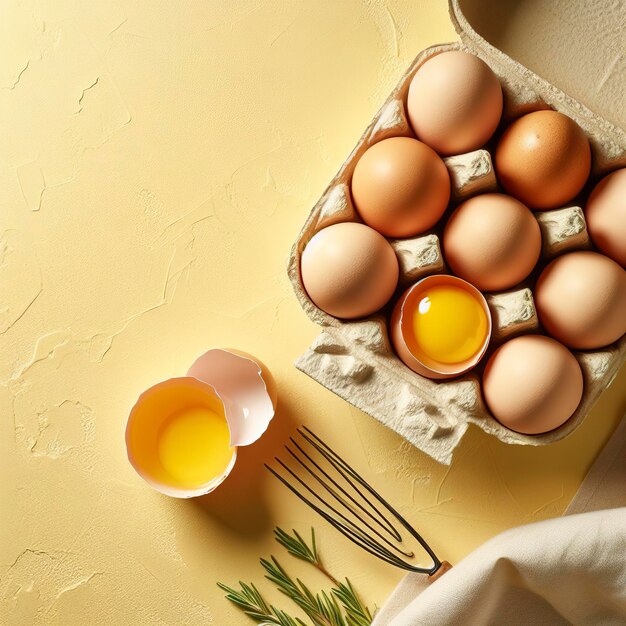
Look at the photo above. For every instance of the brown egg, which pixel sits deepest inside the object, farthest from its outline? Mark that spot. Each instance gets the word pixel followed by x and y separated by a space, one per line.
pixel 543 159
pixel 532 384
pixel 493 241
pixel 400 187
pixel 349 270
pixel 605 214
pixel 581 300
pixel 454 102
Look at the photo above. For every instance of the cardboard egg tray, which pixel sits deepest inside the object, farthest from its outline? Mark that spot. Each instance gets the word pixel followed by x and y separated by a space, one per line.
pixel 355 360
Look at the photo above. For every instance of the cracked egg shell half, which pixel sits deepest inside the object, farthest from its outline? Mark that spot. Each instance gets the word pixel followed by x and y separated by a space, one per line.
pixel 182 434
pixel 441 326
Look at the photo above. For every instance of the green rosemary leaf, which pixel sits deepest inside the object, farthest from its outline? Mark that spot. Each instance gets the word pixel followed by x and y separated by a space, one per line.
pixel 357 614
pixel 286 620
pixel 285 584
pixel 330 608
pixel 305 590
pixel 311 553
pixel 258 598
pixel 277 575
pixel 313 544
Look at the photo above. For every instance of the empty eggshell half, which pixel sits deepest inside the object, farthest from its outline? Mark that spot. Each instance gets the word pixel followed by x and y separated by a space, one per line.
pixel 146 420
pixel 246 387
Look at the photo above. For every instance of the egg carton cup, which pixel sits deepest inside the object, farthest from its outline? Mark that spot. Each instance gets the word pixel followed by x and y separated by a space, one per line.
pixel 355 359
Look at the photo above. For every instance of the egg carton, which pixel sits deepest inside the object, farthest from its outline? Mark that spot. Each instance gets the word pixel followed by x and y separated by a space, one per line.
pixel 355 359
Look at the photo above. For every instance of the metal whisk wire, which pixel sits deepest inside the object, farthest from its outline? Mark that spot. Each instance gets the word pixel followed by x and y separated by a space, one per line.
pixel 370 535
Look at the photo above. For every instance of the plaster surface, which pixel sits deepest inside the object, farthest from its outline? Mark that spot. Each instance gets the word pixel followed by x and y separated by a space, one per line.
pixel 156 163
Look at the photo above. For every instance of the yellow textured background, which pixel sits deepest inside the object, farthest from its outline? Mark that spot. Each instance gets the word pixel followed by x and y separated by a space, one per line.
pixel 157 160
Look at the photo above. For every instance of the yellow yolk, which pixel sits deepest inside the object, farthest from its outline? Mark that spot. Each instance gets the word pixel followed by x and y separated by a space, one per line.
pixel 449 325
pixel 194 446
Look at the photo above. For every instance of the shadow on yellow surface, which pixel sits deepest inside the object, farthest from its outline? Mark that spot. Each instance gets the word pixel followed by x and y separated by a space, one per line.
pixel 243 506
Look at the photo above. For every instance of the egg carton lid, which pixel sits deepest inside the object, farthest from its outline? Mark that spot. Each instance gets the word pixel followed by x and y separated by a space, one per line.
pixel 569 52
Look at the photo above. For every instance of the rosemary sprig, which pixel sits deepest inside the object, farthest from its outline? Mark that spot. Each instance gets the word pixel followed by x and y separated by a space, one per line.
pixel 252 603
pixel 340 607
pixel 299 548
pixel 322 609
pixel 357 614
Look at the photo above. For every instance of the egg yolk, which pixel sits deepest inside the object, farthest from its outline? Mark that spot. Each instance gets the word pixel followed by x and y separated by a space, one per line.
pixel 449 324
pixel 194 446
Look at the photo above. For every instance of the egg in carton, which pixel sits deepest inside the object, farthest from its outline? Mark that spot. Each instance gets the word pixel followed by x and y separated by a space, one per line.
pixel 355 359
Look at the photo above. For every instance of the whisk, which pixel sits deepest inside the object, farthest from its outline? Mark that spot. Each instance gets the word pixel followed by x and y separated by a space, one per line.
pixel 350 504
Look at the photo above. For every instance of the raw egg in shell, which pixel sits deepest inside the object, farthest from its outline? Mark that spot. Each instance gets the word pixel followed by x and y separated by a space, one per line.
pixel 441 326
pixel 182 434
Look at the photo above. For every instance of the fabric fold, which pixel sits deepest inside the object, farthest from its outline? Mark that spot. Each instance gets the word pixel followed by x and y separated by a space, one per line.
pixel 568 570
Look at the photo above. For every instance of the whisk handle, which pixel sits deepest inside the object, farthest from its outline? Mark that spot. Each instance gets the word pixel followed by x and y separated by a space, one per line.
pixel 441 570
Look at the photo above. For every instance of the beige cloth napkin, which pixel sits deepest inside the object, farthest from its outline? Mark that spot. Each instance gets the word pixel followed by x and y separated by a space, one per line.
pixel 569 570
